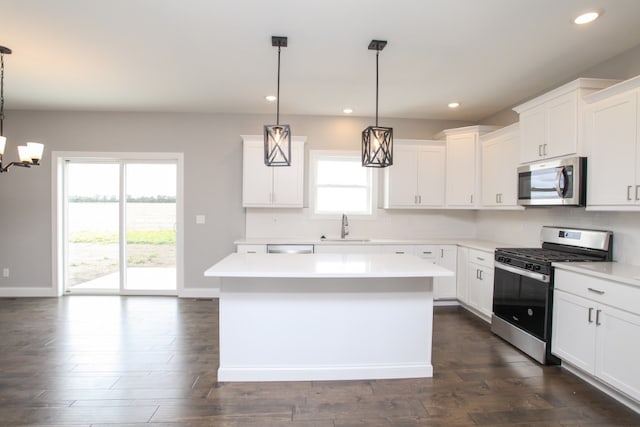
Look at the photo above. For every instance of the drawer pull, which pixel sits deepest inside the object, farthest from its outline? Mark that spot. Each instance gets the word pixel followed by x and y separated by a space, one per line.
pixel 590 313
pixel 596 291
pixel 479 258
pixel 427 252
pixel 399 252
pixel 598 317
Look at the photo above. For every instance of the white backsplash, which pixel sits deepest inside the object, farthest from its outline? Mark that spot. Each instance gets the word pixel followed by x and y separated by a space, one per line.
pixel 387 224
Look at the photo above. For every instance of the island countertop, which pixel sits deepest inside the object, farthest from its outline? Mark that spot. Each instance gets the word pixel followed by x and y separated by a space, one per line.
pixel 325 266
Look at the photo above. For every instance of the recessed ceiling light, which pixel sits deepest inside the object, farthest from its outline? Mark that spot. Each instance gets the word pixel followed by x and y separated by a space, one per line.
pixel 270 98
pixel 347 111
pixel 453 104
pixel 587 17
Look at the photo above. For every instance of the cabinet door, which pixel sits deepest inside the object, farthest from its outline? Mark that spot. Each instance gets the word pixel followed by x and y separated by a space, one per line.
pixel 562 126
pixel 573 336
pixel 256 177
pixel 492 172
pixel 462 273
pixel 481 289
pixel 431 176
pixel 461 170
pixel 617 352
pixel 533 130
pixel 288 180
pixel 401 179
pixel 611 132
pixel 445 287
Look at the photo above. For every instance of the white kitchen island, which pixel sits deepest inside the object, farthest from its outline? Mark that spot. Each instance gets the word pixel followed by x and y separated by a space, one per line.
pixel 289 317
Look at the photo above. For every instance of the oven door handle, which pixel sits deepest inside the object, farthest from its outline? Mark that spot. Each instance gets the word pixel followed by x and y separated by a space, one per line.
pixel 561 180
pixel 532 275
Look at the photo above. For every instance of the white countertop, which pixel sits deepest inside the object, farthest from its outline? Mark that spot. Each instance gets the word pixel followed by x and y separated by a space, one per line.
pixel 624 273
pixel 484 245
pixel 325 266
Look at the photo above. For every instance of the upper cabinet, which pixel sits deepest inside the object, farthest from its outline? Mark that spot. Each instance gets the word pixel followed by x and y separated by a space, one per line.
pixel 612 128
pixel 273 187
pixel 462 186
pixel 500 158
pixel 551 124
pixel 416 179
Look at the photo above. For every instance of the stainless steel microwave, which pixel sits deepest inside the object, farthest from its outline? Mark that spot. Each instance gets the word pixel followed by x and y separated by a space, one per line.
pixel 553 182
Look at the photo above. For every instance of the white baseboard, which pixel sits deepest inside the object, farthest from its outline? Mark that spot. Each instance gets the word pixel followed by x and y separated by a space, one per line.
pixel 204 293
pixel 23 291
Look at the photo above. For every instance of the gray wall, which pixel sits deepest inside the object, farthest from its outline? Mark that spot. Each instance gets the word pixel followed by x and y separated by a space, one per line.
pixel 212 150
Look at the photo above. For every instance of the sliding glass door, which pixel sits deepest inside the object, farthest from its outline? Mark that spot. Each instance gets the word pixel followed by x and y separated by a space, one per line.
pixel 120 226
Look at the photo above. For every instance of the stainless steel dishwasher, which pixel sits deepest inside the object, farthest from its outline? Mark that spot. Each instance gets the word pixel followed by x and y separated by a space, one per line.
pixel 289 249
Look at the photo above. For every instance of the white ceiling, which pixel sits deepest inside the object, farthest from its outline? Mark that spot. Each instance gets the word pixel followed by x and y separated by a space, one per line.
pixel 216 55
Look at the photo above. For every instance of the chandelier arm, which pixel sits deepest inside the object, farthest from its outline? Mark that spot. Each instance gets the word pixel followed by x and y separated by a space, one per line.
pixel 1 94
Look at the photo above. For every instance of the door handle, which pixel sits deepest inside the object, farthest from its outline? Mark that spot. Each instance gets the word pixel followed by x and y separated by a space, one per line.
pixel 560 181
pixel 629 192
pixel 544 149
pixel 637 188
pixel 590 313
pixel 540 150
pixel 598 317
pixel 596 291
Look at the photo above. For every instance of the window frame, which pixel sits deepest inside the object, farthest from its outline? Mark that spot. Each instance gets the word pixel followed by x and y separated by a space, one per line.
pixel 316 156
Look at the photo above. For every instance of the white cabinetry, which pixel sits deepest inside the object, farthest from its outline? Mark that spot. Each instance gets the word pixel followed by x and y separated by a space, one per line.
pixel 252 249
pixel 551 124
pixel 444 288
pixel 596 328
pixel 264 186
pixel 462 186
pixel 500 158
pixel 462 275
pixel 480 283
pixel 613 143
pixel 416 179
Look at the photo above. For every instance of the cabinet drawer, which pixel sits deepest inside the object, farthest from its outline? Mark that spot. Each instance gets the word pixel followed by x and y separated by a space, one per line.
pixel 615 294
pixel 428 251
pixel 400 249
pixel 252 249
pixel 484 258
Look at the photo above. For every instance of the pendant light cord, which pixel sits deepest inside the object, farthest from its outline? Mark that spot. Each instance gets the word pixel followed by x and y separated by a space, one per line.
pixel 377 73
pixel 278 92
pixel 1 94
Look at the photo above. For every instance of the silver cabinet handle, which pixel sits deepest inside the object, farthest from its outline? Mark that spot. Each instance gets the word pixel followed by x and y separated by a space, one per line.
pixel 427 252
pixel 540 150
pixel 596 291
pixel 629 192
pixel 441 253
pixel 544 149
pixel 598 317
pixel 471 199
pixel 637 188
pixel 590 313
pixel 479 258
pixel 419 199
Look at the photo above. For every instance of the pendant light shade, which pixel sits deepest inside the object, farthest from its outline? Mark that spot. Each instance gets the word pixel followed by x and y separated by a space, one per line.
pixel 377 141
pixel 277 138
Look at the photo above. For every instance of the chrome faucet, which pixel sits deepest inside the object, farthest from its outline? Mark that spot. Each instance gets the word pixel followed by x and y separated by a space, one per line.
pixel 344 230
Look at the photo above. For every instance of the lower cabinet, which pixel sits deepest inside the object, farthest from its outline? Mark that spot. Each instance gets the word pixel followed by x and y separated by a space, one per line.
pixel 476 287
pixel 592 334
pixel 252 249
pixel 444 288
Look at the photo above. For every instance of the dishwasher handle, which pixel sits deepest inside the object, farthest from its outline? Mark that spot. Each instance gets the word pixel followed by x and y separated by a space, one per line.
pixel 289 249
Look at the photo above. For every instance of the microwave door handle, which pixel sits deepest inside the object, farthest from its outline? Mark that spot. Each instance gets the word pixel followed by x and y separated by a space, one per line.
pixel 560 181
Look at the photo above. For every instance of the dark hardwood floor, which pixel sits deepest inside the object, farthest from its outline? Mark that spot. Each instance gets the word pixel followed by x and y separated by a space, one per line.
pixel 151 361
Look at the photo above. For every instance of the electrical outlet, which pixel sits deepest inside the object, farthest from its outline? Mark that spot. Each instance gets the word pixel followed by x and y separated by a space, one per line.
pixel 5 272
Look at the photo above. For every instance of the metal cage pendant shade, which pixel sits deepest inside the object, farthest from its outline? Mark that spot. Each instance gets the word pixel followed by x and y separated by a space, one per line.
pixel 377 141
pixel 277 138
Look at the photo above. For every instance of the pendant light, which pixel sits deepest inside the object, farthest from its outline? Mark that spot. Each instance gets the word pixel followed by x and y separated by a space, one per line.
pixel 377 142
pixel 277 138
pixel 29 154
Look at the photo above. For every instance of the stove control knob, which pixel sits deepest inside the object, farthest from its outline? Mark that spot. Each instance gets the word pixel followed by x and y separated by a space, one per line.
pixel 528 266
pixel 536 268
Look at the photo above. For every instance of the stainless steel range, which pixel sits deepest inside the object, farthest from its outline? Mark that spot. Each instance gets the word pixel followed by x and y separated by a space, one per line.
pixel 523 285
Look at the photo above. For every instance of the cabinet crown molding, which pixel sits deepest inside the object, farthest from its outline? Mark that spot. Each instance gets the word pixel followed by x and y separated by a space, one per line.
pixel 616 89
pixel 581 83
